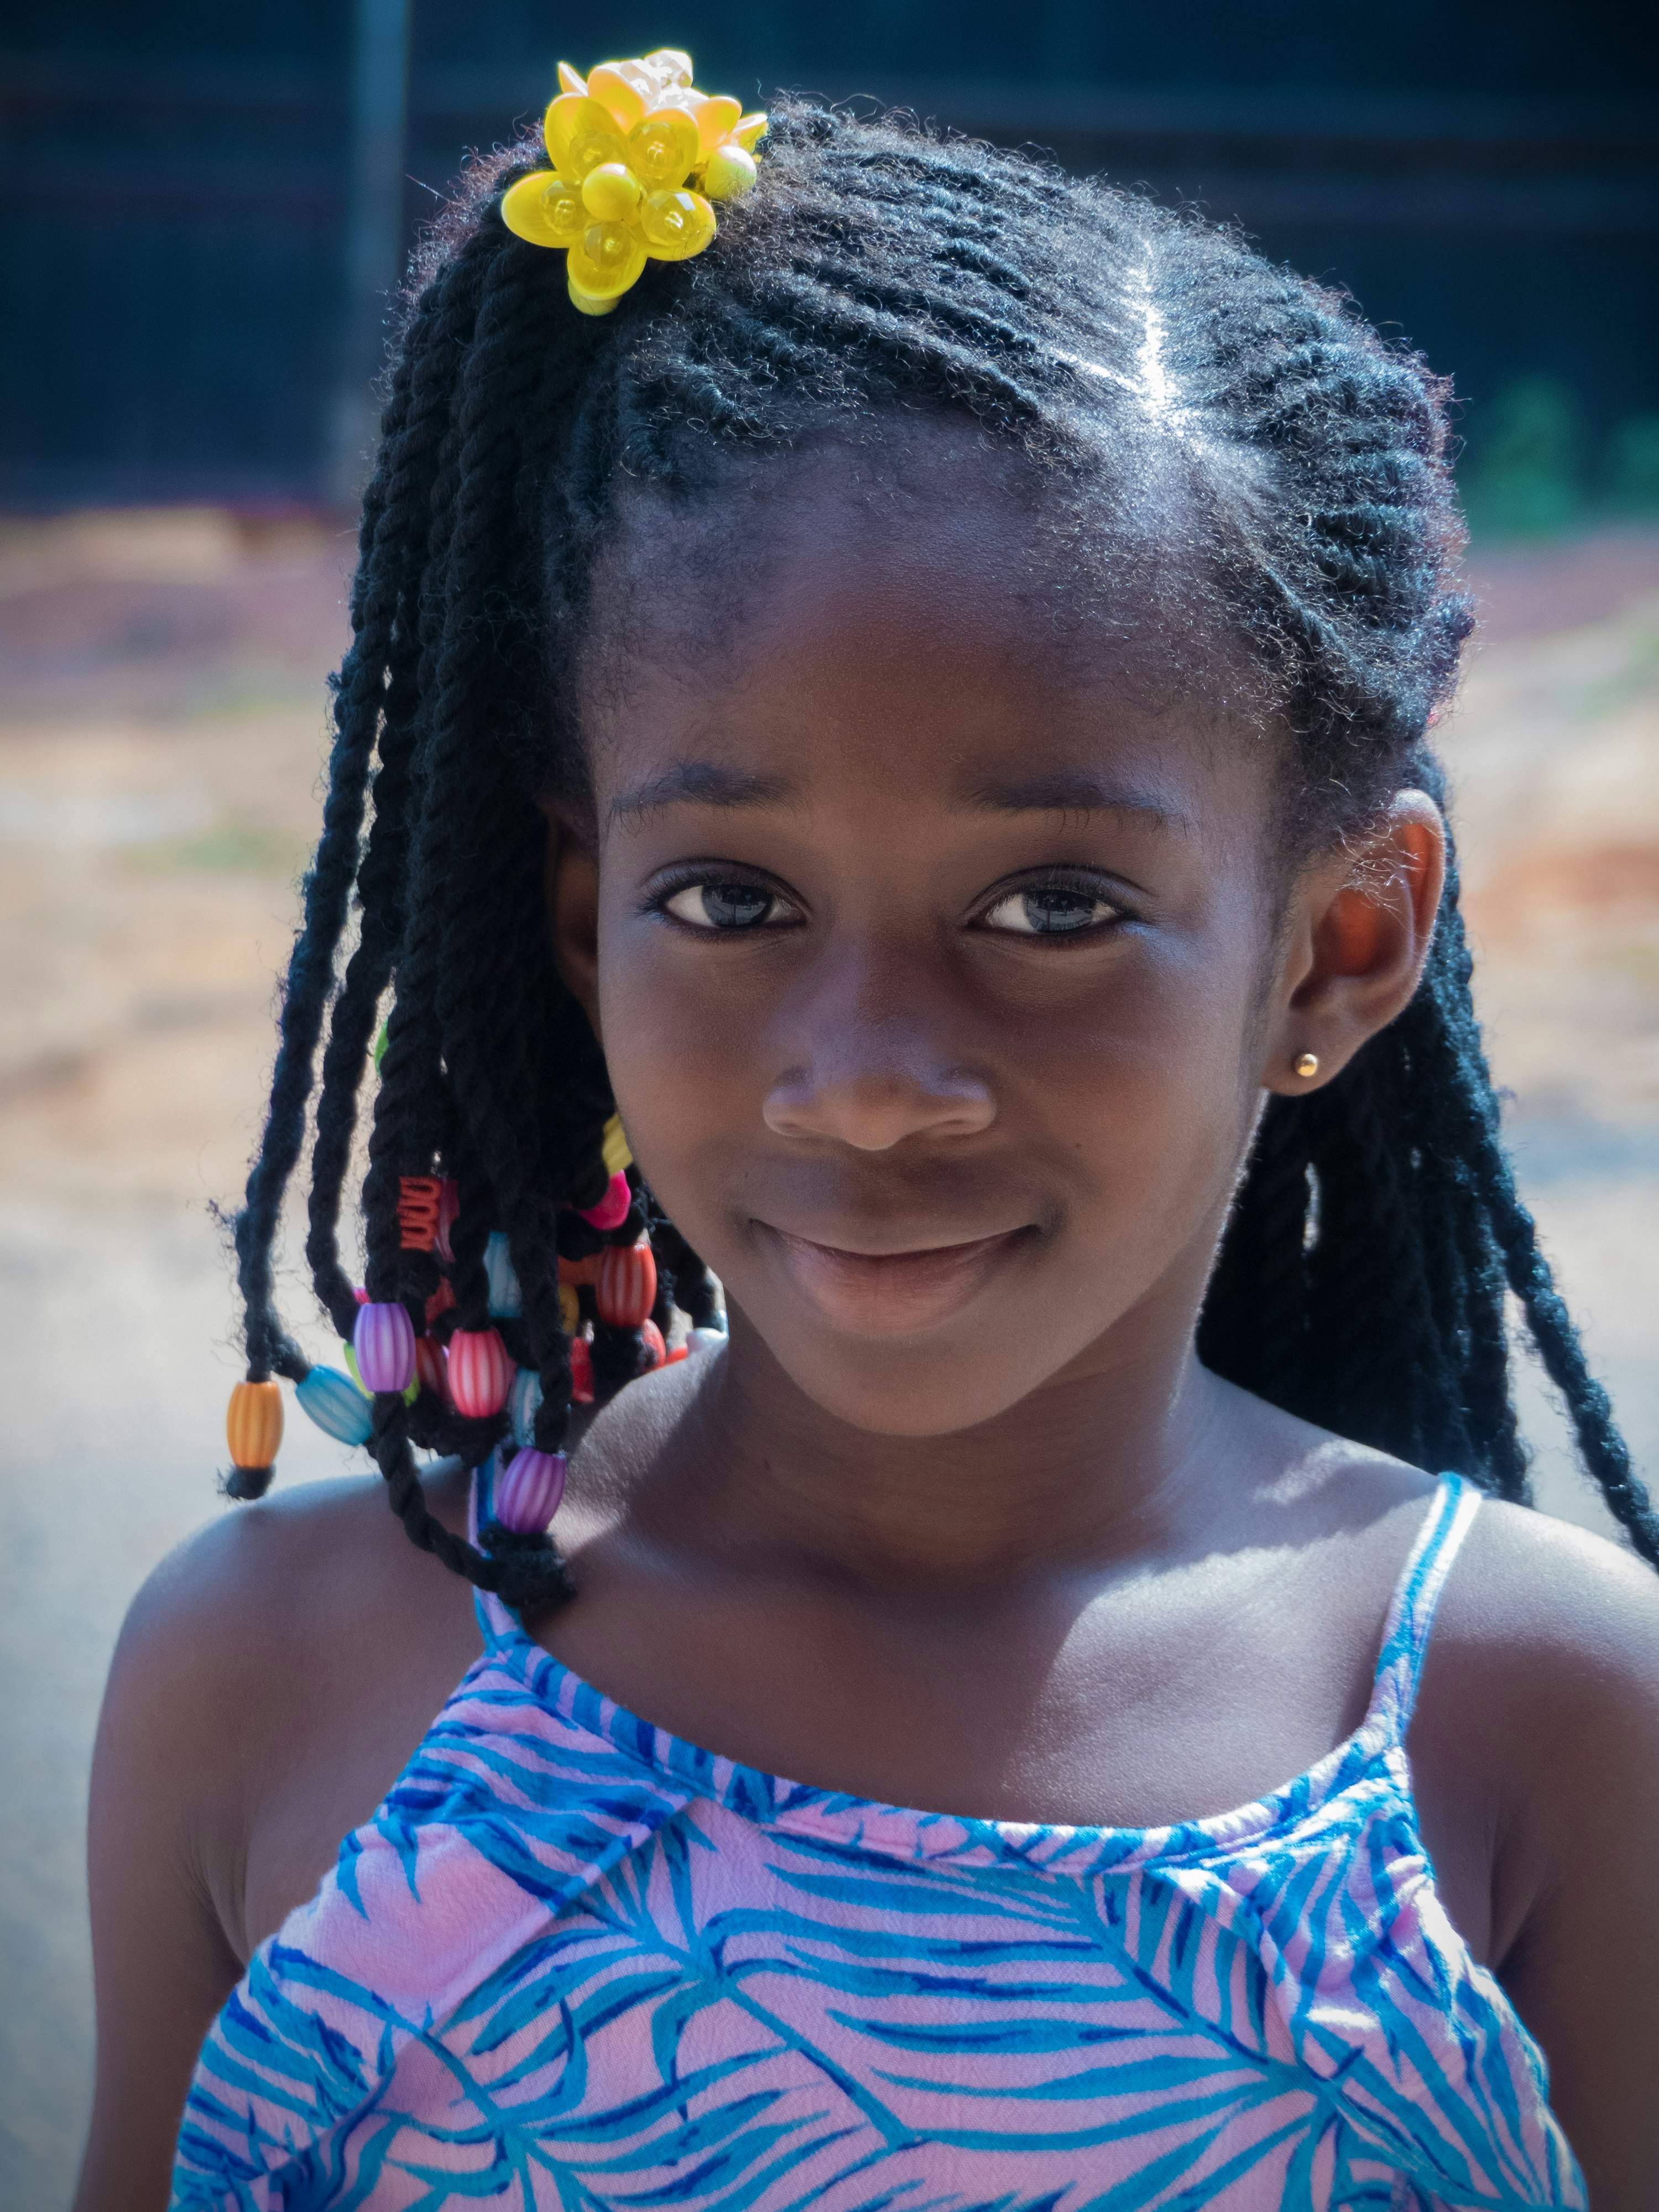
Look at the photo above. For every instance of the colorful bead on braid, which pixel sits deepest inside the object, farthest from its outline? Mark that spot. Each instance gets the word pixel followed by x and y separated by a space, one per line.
pixel 480 1373
pixel 432 1369
pixel 611 1211
pixel 527 1495
pixel 627 1283
pixel 384 1342
pixel 638 154
pixel 505 1298
pixel 253 1425
pixel 419 1199
pixel 336 1405
pixel 613 1147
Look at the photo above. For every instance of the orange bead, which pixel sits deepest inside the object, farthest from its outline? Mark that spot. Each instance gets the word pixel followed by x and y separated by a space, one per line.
pixel 253 1424
pixel 418 1198
pixel 627 1284
pixel 651 1337
pixel 577 1271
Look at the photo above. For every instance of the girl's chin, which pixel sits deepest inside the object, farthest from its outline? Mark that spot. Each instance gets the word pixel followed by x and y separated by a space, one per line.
pixel 958 1380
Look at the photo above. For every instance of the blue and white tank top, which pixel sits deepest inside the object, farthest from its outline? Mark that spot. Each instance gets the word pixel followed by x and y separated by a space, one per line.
pixel 576 1965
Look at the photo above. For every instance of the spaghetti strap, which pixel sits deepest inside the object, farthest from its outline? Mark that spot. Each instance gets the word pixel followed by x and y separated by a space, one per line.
pixel 496 1624
pixel 1410 1616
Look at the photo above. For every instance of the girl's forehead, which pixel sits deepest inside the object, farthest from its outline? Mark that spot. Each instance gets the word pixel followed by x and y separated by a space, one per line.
pixel 960 616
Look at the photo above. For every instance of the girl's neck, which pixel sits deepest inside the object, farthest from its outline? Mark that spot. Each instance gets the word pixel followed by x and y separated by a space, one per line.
pixel 1095 1467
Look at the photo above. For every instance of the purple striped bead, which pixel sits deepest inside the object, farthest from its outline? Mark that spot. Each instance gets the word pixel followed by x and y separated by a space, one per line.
pixel 384 1341
pixel 527 1496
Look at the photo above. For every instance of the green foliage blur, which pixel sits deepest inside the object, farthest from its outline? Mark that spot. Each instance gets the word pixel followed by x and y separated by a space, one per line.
pixel 1533 471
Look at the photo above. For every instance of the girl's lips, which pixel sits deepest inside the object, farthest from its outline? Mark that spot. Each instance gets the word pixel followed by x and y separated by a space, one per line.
pixel 888 1293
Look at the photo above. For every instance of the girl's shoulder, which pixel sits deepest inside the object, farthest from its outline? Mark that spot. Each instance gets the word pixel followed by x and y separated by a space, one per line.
pixel 1533 1590
pixel 1539 1712
pixel 275 1674
pixel 1544 1657
pixel 294 1573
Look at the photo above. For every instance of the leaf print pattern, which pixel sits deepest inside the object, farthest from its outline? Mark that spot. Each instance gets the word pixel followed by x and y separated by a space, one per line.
pixel 575 1964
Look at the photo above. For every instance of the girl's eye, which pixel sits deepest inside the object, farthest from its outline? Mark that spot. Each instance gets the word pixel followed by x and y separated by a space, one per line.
pixel 727 906
pixel 1049 910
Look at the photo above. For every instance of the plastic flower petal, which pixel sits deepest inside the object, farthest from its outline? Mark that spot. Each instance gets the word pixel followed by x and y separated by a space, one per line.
pixel 638 154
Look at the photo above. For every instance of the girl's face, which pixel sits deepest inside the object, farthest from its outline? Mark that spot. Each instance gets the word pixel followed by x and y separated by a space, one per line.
pixel 927 951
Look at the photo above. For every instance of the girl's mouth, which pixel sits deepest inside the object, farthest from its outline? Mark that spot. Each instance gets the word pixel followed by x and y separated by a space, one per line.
pixel 888 1293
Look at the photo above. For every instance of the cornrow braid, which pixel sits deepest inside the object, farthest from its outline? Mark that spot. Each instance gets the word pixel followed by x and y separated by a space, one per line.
pixel 1376 1235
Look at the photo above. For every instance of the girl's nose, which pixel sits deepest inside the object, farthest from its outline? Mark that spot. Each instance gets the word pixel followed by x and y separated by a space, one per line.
pixel 874 1090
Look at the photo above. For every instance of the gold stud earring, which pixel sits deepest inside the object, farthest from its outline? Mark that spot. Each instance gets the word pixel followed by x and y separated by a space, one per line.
pixel 1306 1064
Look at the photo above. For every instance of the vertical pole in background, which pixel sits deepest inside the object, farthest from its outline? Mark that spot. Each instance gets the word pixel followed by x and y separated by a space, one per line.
pixel 375 230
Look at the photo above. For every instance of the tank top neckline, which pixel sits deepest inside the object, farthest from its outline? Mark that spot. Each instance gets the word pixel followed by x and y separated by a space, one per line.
pixel 687 1771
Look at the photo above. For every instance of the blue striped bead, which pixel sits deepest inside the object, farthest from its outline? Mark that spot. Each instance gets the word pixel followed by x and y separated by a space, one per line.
pixel 336 1405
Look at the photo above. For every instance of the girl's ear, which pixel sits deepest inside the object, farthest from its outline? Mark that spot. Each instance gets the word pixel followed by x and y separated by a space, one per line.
pixel 571 877
pixel 1358 934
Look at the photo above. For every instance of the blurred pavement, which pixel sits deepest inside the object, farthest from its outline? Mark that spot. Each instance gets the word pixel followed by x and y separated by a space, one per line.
pixel 161 741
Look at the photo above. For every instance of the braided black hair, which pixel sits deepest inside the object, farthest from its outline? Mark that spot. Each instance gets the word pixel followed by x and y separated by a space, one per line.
pixel 1376 1234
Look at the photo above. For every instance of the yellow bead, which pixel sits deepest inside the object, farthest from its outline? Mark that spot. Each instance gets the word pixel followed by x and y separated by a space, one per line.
pixel 569 81
pixel 582 134
pixel 605 260
pixel 670 65
pixel 610 193
pixel 716 118
pixel 570 1309
pixel 730 172
pixel 589 305
pixel 610 84
pixel 544 210
pixel 253 1424
pixel 613 1147
pixel 675 225
pixel 749 130
pixel 663 150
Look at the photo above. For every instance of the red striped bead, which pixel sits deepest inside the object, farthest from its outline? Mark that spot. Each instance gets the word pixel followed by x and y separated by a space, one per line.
pixel 582 1372
pixel 627 1284
pixel 480 1372
pixel 430 1368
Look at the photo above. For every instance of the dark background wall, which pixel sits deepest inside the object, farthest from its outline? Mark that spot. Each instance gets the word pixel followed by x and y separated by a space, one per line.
pixel 175 190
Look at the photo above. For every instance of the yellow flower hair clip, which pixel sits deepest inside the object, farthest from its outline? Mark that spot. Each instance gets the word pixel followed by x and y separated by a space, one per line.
pixel 638 154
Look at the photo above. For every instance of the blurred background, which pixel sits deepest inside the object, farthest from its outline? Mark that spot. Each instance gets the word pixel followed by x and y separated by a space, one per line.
pixel 204 213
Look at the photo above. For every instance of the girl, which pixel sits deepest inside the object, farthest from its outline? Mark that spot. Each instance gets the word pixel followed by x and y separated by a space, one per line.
pixel 918 717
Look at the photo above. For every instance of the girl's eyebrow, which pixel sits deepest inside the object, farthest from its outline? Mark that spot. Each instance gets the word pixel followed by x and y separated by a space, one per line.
pixel 1058 791
pixel 700 783
pixel 1072 791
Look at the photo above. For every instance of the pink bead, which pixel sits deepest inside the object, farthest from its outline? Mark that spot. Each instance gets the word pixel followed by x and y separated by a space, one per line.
pixel 360 1294
pixel 480 1372
pixel 611 1211
pixel 384 1341
pixel 527 1496
pixel 449 1204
